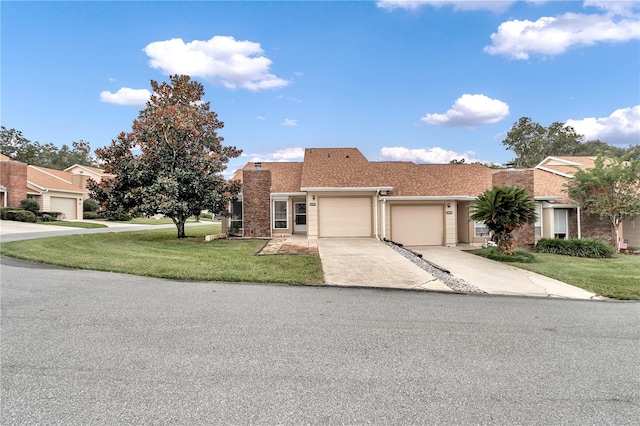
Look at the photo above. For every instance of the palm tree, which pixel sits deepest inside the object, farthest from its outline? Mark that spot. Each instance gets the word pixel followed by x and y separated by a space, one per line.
pixel 504 209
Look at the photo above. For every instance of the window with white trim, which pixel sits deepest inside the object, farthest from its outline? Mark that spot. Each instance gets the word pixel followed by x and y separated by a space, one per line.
pixel 538 224
pixel 280 214
pixel 560 223
pixel 481 230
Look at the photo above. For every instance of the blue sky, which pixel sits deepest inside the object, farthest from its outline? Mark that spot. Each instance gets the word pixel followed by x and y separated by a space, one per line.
pixel 420 81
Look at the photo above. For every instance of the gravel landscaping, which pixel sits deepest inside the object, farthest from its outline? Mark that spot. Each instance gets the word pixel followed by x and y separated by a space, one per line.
pixel 449 280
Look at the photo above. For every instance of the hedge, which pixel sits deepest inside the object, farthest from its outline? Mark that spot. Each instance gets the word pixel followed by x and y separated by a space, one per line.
pixel 587 247
pixel 18 215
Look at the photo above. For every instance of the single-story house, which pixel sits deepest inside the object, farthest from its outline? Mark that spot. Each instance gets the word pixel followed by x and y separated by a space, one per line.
pixel 337 192
pixel 55 190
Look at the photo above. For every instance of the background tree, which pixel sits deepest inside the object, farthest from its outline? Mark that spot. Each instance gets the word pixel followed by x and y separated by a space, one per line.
pixel 532 143
pixel 611 189
pixel 504 209
pixel 172 160
pixel 13 144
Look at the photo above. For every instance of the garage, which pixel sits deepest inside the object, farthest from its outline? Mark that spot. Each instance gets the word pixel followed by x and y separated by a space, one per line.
pixel 344 217
pixel 65 205
pixel 417 225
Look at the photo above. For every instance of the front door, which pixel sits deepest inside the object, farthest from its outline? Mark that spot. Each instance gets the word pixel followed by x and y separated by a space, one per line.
pixel 300 217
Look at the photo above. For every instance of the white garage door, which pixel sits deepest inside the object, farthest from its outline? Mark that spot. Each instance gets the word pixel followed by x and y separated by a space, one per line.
pixel 64 205
pixel 417 225
pixel 345 217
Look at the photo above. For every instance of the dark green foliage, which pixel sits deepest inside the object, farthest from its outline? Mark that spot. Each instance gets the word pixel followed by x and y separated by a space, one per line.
pixel 30 204
pixel 4 211
pixel 117 215
pixel 90 205
pixel 90 215
pixel 587 247
pixel 19 215
pixel 13 144
pixel 504 209
pixel 49 216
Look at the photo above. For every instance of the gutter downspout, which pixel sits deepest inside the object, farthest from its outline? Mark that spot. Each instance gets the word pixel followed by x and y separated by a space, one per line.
pixel 375 214
pixel 384 218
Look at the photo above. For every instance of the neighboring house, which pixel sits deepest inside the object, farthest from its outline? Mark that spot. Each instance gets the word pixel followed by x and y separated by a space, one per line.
pixel 563 216
pixel 337 192
pixel 55 190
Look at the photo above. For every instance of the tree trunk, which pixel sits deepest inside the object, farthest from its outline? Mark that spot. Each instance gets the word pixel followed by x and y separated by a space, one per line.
pixel 505 243
pixel 180 225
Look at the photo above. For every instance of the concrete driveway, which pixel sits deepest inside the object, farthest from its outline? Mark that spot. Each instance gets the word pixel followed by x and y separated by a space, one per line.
pixel 367 262
pixel 498 278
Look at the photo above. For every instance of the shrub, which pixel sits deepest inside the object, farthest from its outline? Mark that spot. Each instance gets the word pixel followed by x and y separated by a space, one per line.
pixel 4 211
pixel 20 215
pixel 30 204
pixel 90 215
pixel 90 205
pixel 519 255
pixel 49 216
pixel 587 247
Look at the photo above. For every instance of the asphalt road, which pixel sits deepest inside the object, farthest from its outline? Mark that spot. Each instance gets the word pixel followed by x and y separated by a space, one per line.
pixel 83 347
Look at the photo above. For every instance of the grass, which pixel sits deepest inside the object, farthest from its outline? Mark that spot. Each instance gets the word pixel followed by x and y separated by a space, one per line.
pixel 617 278
pixel 158 253
pixel 163 221
pixel 85 225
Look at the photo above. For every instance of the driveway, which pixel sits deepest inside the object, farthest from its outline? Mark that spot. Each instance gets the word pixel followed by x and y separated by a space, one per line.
pixel 367 262
pixel 498 278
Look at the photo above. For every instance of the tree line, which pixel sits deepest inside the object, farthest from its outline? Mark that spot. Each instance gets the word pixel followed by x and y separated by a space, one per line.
pixel 17 147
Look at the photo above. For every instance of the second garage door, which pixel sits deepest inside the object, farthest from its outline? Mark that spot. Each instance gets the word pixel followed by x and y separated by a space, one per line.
pixel 65 205
pixel 417 225
pixel 345 217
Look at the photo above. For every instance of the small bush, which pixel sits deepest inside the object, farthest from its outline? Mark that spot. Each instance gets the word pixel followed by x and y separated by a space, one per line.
pixel 30 204
pixel 90 215
pixel 4 211
pixel 521 256
pixel 587 247
pixel 20 216
pixel 49 216
pixel 90 205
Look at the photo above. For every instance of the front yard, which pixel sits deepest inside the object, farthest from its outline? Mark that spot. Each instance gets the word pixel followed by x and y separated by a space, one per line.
pixel 158 253
pixel 618 277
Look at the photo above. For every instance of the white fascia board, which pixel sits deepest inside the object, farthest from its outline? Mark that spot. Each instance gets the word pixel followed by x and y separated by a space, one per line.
pixel 36 187
pixel 546 169
pixel 346 188
pixel 287 194
pixel 567 162
pixel 547 197
pixel 428 198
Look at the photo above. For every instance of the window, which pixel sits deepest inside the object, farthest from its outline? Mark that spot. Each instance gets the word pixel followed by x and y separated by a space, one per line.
pixel 235 221
pixel 560 223
pixel 280 214
pixel 481 229
pixel 538 225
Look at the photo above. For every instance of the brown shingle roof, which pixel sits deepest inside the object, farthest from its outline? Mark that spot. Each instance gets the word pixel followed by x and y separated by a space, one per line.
pixel 52 179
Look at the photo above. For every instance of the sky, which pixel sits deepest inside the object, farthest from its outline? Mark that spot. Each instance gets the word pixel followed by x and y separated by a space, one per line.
pixel 423 81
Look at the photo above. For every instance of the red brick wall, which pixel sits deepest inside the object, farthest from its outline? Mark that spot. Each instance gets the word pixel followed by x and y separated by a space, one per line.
pixel 13 175
pixel 256 188
pixel 594 227
pixel 525 236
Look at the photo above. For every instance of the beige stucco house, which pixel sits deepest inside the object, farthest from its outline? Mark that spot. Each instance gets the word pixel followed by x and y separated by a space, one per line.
pixel 337 192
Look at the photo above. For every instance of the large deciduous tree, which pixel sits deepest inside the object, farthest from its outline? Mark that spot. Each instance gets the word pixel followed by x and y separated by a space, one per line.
pixel 504 209
pixel 610 189
pixel 171 162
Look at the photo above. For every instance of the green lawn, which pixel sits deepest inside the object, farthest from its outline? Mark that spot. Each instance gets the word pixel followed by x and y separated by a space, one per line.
pixel 163 221
pixel 85 225
pixel 618 277
pixel 158 253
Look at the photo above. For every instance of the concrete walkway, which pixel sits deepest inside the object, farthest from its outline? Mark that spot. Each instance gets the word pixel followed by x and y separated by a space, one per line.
pixel 366 262
pixel 499 278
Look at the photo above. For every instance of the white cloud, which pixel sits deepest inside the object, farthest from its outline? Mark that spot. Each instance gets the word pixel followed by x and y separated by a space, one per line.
pixel 289 98
pixel 494 6
pixel 435 155
pixel 617 7
pixel 471 110
pixel 289 122
pixel 261 118
pixel 549 36
pixel 281 155
pixel 126 96
pixel 221 59
pixel 622 127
